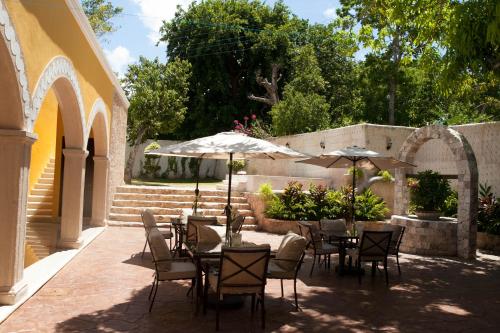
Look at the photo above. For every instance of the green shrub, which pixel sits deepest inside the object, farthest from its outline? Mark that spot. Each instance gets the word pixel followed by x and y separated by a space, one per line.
pixel 386 175
pixel 151 167
pixel 370 207
pixel 193 167
pixel 428 191
pixel 238 165
pixel 359 172
pixel 450 206
pixel 266 192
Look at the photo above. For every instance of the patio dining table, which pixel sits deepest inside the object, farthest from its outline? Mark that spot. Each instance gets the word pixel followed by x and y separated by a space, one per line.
pixel 343 240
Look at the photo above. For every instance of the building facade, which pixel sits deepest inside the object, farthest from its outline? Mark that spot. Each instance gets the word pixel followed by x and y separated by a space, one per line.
pixel 63 121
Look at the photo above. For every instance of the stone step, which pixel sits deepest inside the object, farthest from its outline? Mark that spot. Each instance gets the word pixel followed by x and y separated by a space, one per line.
pixel 39 198
pixel 175 197
pixel 170 190
pixel 39 186
pixel 176 204
pixel 39 218
pixel 173 211
pixel 44 234
pixel 39 211
pixel 50 169
pixel 47 175
pixel 46 180
pixel 40 204
pixel 43 192
pixel 161 218
pixel 40 251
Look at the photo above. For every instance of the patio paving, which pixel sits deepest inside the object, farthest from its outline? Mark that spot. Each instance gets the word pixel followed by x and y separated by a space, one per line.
pixel 105 289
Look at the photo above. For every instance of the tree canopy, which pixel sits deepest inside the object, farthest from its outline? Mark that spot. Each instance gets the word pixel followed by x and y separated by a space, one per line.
pixel 100 13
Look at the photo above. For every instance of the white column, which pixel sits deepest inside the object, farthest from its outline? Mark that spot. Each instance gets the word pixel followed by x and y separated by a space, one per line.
pixel 72 198
pixel 100 190
pixel 15 153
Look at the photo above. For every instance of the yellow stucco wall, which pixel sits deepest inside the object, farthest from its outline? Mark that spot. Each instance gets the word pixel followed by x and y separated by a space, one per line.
pixel 44 147
pixel 49 29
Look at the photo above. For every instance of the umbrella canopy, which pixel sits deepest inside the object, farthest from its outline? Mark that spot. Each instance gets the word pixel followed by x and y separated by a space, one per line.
pixel 355 156
pixel 230 145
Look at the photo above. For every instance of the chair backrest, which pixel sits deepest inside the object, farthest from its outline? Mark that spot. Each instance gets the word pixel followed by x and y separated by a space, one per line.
pixel 237 223
pixel 290 252
pixel 205 234
pixel 397 237
pixel 311 234
pixel 337 225
pixel 148 219
pixel 193 222
pixel 159 249
pixel 243 269
pixel 375 244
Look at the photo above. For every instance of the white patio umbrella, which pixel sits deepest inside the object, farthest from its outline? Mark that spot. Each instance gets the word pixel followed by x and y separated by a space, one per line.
pixel 230 145
pixel 352 156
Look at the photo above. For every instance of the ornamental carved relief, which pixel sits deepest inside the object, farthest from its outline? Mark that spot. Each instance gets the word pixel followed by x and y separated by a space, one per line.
pixel 58 67
pixel 8 33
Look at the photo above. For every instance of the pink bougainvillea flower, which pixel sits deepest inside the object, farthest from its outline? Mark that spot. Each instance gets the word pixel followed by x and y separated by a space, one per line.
pixel 245 118
pixel 254 117
pixel 236 122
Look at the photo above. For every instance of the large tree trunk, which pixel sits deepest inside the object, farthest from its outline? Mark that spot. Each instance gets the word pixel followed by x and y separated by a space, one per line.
pixel 131 157
pixel 271 97
pixel 393 79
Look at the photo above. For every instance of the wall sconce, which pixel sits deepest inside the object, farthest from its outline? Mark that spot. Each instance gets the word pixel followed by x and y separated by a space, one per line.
pixel 388 143
pixel 322 144
pixel 287 145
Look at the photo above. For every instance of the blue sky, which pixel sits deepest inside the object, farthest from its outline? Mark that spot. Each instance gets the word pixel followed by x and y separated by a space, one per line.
pixel 138 26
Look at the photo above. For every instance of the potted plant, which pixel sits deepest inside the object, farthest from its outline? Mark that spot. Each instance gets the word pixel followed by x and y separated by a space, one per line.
pixel 428 193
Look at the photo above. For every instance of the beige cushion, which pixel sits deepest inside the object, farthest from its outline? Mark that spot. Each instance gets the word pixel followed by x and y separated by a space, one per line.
pixel 159 247
pixel 207 235
pixel 185 212
pixel 148 218
pixel 178 270
pixel 275 271
pixel 290 250
pixel 325 248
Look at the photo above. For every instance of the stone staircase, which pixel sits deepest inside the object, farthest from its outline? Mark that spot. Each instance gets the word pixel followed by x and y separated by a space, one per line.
pixel 41 228
pixel 167 203
pixel 238 183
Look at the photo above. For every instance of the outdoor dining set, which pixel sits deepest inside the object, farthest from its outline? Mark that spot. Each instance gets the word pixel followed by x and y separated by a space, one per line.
pixel 223 271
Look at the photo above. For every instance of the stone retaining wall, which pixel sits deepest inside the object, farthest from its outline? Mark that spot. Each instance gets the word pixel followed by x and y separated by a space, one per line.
pixel 426 237
pixel 488 242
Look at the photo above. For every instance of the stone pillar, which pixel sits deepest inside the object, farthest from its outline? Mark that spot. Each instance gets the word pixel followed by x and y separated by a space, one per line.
pixel 15 151
pixel 72 198
pixel 400 192
pixel 100 190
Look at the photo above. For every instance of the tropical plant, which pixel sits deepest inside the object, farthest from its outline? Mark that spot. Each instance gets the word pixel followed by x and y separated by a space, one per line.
pixel 151 166
pixel 359 172
pixel 369 207
pixel 237 166
pixel 450 205
pixel 386 176
pixel 266 192
pixel 488 215
pixel 428 191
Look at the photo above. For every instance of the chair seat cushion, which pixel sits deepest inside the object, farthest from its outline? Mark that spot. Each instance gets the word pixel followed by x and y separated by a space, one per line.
pixel 290 251
pixel 213 279
pixel 167 234
pixel 275 271
pixel 178 271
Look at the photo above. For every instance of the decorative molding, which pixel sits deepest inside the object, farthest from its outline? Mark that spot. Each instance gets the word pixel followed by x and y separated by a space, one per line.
pixel 80 17
pixel 58 67
pixel 98 108
pixel 10 37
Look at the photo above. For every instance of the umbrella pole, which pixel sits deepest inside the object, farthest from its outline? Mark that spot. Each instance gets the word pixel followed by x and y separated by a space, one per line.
pixel 353 192
pixel 197 190
pixel 228 207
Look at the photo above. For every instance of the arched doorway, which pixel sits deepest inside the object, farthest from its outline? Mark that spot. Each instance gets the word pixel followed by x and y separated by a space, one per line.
pixel 97 138
pixel 467 181
pixel 15 148
pixel 60 77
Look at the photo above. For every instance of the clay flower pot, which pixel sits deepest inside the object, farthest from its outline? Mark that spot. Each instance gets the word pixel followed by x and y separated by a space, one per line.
pixel 428 215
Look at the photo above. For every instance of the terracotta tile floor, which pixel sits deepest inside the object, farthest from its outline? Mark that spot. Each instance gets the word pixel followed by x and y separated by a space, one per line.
pixel 105 288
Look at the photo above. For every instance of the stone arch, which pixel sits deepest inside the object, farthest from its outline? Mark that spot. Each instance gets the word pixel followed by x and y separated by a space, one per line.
pixel 15 102
pixel 60 75
pixel 98 120
pixel 467 181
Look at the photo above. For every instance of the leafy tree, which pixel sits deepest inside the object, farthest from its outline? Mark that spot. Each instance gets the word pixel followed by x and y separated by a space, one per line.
pixel 158 97
pixel 100 13
pixel 303 108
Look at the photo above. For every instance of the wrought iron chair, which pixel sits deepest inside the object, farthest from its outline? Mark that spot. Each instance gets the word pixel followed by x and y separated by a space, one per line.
pixel 242 271
pixel 318 245
pixel 288 260
pixel 193 222
pixel 166 267
pixel 397 237
pixel 149 221
pixel 374 247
